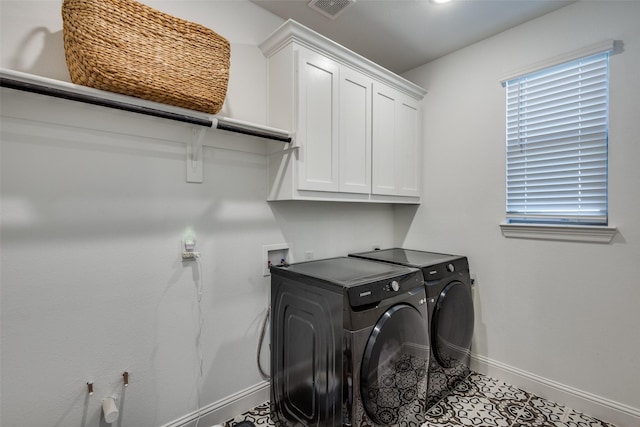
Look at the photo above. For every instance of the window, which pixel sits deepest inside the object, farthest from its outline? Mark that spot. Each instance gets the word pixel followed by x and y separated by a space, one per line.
pixel 557 135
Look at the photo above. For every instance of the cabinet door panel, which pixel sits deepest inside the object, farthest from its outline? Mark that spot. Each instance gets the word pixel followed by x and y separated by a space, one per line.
pixel 383 141
pixel 355 132
pixel 408 149
pixel 317 130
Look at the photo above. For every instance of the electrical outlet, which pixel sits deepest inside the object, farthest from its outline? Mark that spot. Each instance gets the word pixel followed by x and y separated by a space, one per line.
pixel 189 245
pixel 308 255
pixel 189 240
pixel 190 255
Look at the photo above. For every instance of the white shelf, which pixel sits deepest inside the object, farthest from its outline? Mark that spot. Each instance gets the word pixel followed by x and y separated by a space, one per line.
pixel 55 88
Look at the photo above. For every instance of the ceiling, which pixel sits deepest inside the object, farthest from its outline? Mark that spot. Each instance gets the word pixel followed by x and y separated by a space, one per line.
pixel 403 34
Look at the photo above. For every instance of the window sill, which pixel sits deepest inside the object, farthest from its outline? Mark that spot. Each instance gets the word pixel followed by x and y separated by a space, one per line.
pixel 567 233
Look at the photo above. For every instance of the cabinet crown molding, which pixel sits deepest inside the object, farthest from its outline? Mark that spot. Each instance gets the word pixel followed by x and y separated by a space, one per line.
pixel 293 31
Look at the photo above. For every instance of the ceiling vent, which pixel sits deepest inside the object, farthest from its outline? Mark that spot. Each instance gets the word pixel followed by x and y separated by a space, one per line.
pixel 330 8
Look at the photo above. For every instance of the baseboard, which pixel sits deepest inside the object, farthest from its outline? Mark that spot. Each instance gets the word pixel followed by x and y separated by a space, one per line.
pixel 596 406
pixel 225 409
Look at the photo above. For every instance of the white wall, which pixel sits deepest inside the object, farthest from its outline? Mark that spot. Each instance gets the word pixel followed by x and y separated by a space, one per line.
pixel 94 204
pixel 566 312
pixel 91 279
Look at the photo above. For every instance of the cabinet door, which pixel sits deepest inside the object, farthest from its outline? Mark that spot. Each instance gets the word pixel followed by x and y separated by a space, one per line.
pixel 384 140
pixel 395 143
pixel 355 131
pixel 317 131
pixel 408 147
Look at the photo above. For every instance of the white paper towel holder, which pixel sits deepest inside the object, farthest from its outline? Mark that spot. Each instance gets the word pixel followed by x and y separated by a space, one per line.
pixel 110 409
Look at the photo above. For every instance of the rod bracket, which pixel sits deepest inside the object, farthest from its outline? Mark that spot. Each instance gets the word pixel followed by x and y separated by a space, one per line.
pixel 195 163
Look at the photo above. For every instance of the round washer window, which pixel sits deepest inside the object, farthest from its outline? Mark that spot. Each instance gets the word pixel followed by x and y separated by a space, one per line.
pixel 452 326
pixel 394 366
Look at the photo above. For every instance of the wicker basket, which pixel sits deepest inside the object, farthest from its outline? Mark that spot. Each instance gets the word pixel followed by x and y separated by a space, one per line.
pixel 126 47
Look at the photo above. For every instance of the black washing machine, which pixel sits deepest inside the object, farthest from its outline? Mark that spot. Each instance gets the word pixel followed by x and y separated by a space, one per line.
pixel 349 343
pixel 451 316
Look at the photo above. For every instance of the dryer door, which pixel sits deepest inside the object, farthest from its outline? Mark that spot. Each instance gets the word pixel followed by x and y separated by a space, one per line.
pixel 452 326
pixel 394 366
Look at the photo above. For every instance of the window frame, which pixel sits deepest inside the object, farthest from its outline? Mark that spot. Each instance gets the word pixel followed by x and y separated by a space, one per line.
pixel 603 233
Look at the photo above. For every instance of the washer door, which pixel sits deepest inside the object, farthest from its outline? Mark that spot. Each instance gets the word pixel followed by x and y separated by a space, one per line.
pixel 452 326
pixel 394 365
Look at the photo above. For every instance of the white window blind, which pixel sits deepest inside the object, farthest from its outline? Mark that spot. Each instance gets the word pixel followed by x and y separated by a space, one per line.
pixel 557 131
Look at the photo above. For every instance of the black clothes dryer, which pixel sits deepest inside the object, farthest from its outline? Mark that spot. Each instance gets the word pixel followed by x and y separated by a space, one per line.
pixel 451 316
pixel 349 343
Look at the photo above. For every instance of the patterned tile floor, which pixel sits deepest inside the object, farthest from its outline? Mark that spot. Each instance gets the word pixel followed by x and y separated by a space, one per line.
pixel 477 401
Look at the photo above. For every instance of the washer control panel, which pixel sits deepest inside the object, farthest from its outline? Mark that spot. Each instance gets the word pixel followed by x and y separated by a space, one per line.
pixel 376 291
pixel 445 269
pixel 393 286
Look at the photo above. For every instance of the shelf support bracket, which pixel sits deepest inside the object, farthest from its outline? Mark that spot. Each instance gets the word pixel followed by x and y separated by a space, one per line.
pixel 195 163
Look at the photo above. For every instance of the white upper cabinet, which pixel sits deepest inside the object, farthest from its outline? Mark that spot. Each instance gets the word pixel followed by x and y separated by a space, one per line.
pixel 356 126
pixel 397 143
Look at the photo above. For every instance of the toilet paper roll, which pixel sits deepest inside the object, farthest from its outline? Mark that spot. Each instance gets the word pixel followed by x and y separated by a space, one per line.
pixel 110 410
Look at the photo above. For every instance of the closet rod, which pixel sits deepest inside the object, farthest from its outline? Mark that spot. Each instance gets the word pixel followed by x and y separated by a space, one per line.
pixel 229 125
pixel 43 86
pixel 88 99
